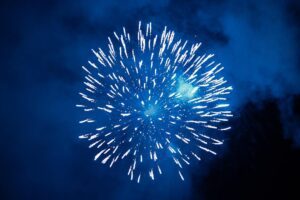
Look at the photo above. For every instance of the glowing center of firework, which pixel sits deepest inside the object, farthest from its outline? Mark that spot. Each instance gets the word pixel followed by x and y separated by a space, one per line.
pixel 186 90
pixel 151 111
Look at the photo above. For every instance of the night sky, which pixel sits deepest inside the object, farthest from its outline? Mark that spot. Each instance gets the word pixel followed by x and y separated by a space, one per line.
pixel 45 43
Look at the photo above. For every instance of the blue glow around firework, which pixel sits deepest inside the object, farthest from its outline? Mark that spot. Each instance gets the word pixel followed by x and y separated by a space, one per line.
pixel 151 99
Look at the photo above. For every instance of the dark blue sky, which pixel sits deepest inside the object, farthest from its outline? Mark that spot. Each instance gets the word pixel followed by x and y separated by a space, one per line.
pixel 44 44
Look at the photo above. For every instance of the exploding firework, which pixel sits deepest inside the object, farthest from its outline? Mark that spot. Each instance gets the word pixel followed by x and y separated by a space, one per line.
pixel 151 99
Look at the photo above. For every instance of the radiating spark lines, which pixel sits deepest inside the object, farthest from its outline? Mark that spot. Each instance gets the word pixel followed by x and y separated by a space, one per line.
pixel 150 99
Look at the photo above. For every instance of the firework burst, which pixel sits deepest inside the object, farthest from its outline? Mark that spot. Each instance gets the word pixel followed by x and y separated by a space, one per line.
pixel 152 99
